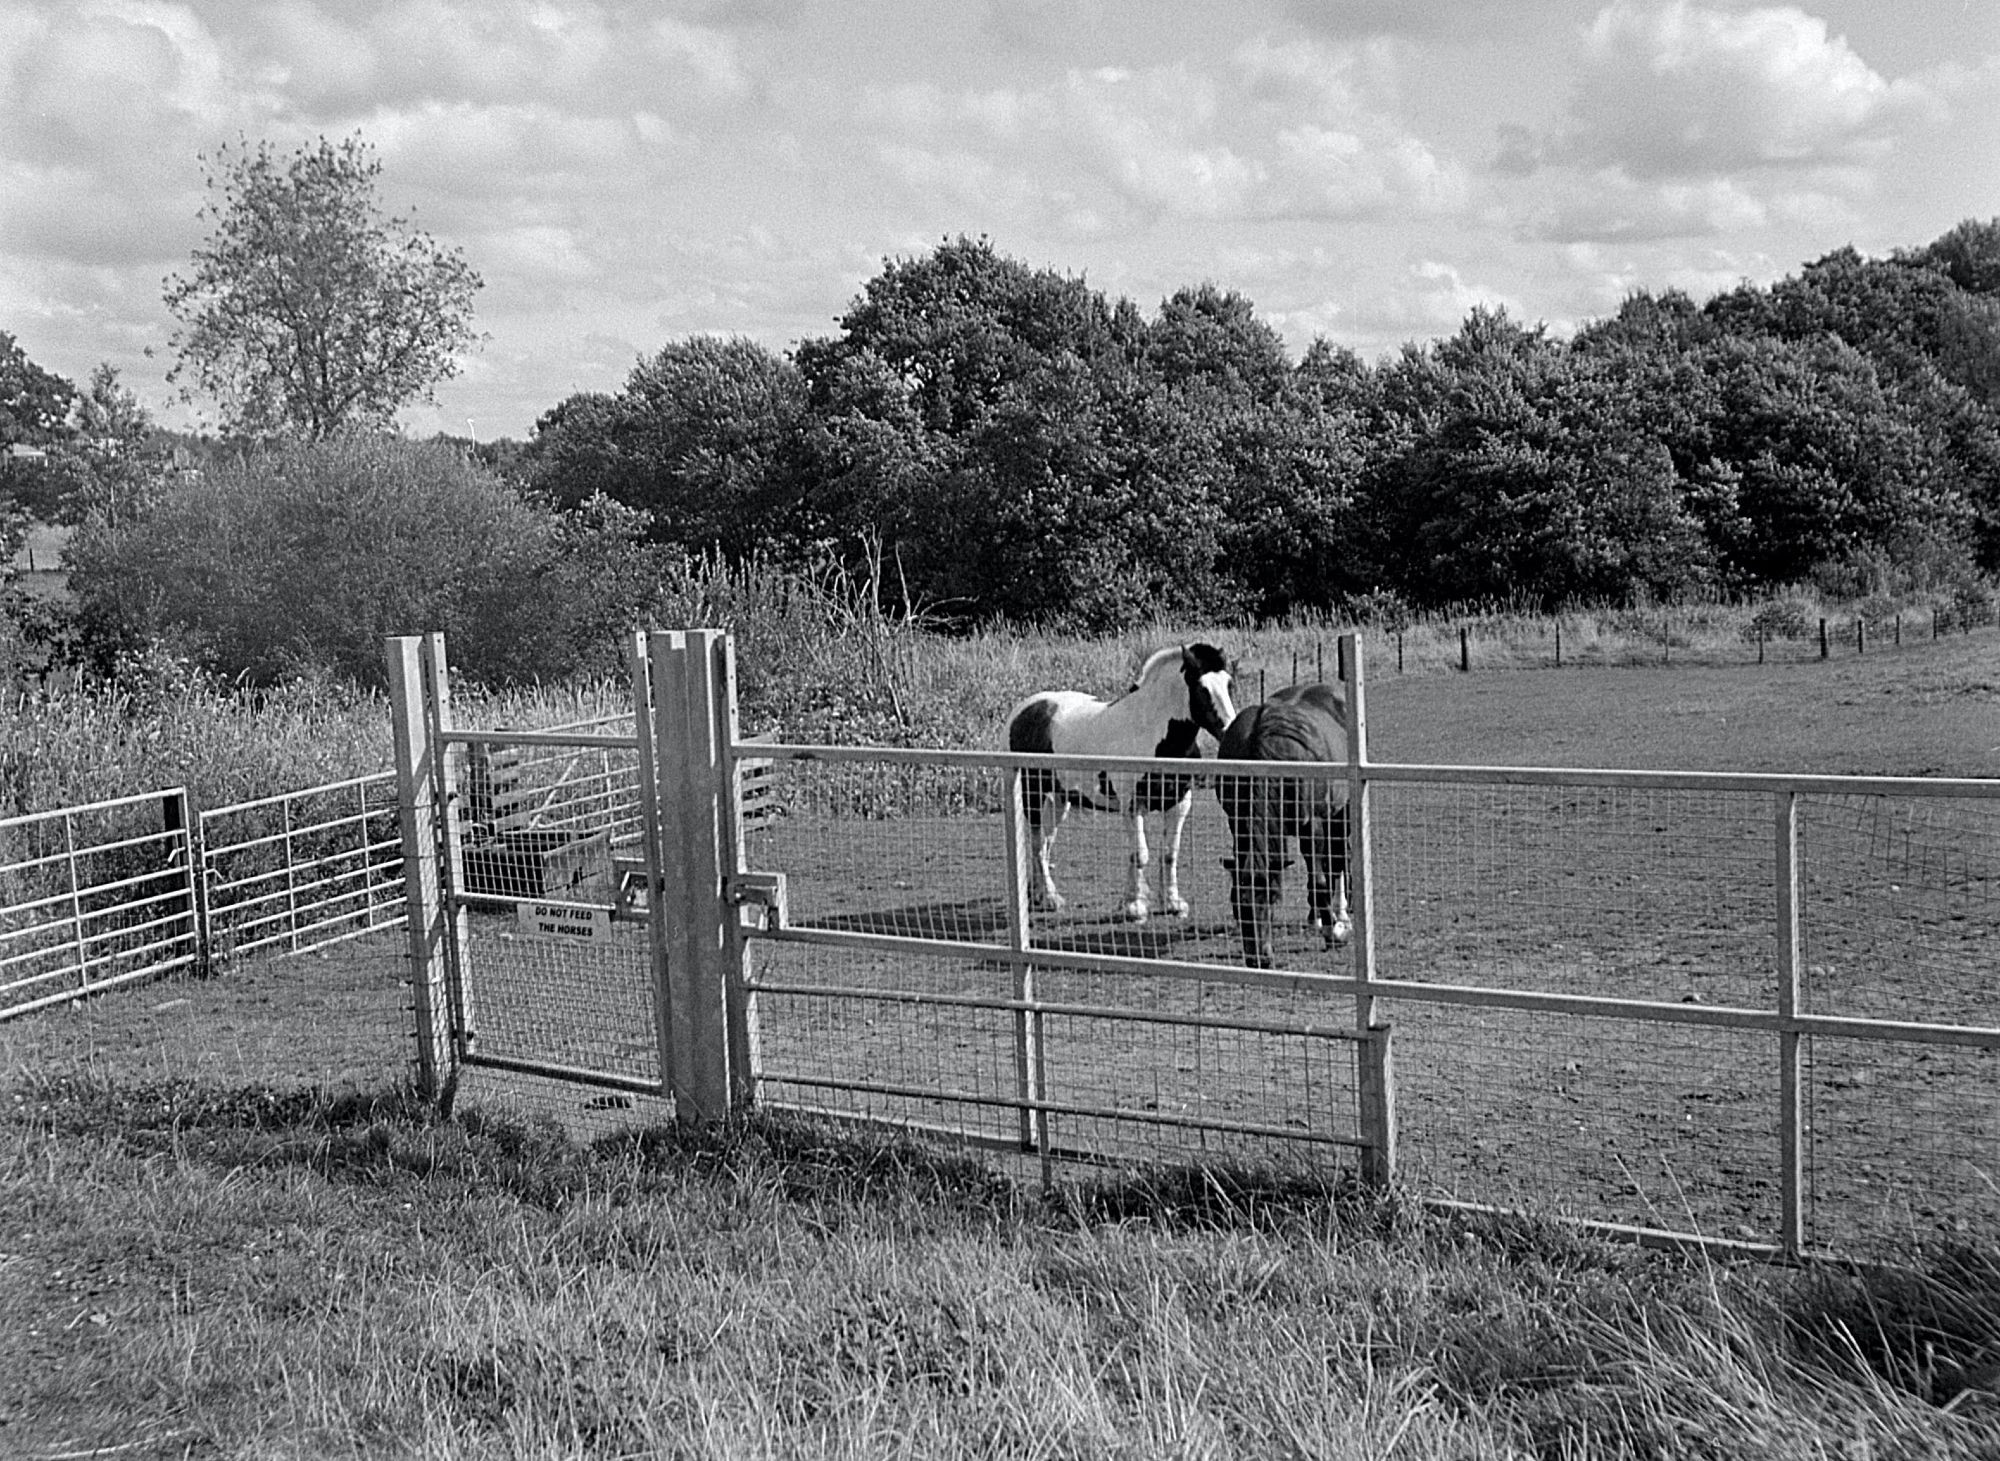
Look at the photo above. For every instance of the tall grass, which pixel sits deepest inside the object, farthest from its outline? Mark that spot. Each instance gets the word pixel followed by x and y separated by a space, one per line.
pixel 233 1277
pixel 831 655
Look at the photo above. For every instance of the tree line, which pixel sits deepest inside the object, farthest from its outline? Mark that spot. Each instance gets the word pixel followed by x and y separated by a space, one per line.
pixel 1022 447
pixel 981 440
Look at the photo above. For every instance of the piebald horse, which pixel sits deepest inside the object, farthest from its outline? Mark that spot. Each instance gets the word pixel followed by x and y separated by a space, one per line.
pixel 1180 691
pixel 1298 723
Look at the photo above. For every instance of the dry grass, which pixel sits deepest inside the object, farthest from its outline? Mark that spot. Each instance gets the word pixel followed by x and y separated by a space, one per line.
pixel 198 1272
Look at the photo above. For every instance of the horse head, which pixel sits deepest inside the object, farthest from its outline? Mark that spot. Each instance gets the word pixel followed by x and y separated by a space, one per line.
pixel 1206 670
pixel 1257 867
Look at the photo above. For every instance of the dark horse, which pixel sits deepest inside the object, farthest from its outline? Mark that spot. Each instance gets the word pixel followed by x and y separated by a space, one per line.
pixel 1299 723
pixel 1179 692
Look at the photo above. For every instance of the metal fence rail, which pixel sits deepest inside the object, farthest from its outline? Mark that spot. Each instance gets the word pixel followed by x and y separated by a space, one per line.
pixel 303 869
pixel 1725 1007
pixel 93 897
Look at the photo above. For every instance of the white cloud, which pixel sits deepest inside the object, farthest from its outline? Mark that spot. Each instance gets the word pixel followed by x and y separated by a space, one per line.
pixel 1274 131
pixel 1675 90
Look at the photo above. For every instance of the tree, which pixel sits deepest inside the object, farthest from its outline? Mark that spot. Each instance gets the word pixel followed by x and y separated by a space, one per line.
pixel 300 559
pixel 307 312
pixel 706 438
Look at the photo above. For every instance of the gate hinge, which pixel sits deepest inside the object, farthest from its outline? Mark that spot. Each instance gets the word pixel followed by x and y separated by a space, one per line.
pixel 765 891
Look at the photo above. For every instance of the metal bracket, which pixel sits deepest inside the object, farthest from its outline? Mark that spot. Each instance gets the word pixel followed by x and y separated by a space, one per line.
pixel 763 891
pixel 631 899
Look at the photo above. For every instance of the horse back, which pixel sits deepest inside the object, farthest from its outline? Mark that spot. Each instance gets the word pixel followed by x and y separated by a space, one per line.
pixel 1298 723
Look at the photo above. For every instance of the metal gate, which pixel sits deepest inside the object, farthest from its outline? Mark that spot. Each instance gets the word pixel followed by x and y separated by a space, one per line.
pixel 612 905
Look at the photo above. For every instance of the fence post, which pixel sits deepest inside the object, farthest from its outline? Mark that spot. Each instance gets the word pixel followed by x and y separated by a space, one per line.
pixel 692 783
pixel 1464 651
pixel 1377 1093
pixel 1822 639
pixel 740 1001
pixel 416 796
pixel 1029 1067
pixel 1559 644
pixel 177 816
pixel 1791 1143
pixel 1378 1108
pixel 1861 636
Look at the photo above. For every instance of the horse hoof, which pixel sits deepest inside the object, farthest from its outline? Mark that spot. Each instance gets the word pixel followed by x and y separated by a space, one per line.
pixel 1047 903
pixel 1135 912
pixel 1178 907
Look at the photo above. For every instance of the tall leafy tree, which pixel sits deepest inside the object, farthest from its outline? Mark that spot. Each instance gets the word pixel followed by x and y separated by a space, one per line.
pixel 705 437
pixel 307 311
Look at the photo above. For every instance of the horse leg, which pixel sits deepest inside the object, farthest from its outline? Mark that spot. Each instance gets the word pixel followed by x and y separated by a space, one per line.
pixel 1137 893
pixel 1043 824
pixel 1340 927
pixel 1170 856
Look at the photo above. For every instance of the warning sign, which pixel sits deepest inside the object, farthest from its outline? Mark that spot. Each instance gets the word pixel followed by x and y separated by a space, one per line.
pixel 563 920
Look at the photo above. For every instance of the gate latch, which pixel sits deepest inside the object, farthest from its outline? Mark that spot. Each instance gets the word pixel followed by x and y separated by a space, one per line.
pixel 762 891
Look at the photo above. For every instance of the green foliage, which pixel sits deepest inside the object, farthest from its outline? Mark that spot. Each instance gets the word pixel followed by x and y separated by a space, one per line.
pixel 307 313
pixel 705 437
pixel 299 561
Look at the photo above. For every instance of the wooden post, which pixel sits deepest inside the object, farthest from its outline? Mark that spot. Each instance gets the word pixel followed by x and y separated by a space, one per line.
pixel 178 820
pixel 1559 644
pixel 1399 651
pixel 1822 639
pixel 1376 1099
pixel 691 785
pixel 1791 1135
pixel 1860 636
pixel 416 795
pixel 1464 651
pixel 1760 644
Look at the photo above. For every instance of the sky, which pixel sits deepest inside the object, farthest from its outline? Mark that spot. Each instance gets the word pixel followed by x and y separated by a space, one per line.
pixel 626 175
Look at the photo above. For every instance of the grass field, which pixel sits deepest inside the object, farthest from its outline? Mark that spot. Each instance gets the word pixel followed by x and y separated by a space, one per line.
pixel 201 1255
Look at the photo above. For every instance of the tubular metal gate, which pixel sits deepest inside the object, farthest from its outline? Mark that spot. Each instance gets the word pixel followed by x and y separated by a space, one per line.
pixel 1731 1009
pixel 94 897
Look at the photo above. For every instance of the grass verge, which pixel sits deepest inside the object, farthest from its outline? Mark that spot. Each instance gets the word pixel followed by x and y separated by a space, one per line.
pixel 192 1270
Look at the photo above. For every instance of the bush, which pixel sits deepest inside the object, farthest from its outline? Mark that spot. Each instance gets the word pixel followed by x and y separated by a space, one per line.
pixel 298 562
pixel 1787 618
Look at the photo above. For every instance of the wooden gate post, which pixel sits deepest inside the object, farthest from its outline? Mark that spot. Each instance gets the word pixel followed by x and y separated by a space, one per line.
pixel 417 785
pixel 1377 1102
pixel 693 779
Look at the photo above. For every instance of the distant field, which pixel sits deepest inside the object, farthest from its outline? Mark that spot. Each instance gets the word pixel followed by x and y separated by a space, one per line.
pixel 1925 710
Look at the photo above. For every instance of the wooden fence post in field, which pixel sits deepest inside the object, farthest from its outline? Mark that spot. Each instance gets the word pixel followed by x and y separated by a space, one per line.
pixel 1823 650
pixel 1464 651
pixel 1559 644
pixel 1399 651
pixel 1760 644
pixel 1377 1107
pixel 178 819
pixel 417 755
pixel 1861 636
pixel 693 780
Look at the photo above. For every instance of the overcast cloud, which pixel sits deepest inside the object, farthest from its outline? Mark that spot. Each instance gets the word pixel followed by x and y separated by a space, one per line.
pixel 626 174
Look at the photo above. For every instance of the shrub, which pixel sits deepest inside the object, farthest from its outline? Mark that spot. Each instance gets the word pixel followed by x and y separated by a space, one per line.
pixel 299 561
pixel 1786 618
